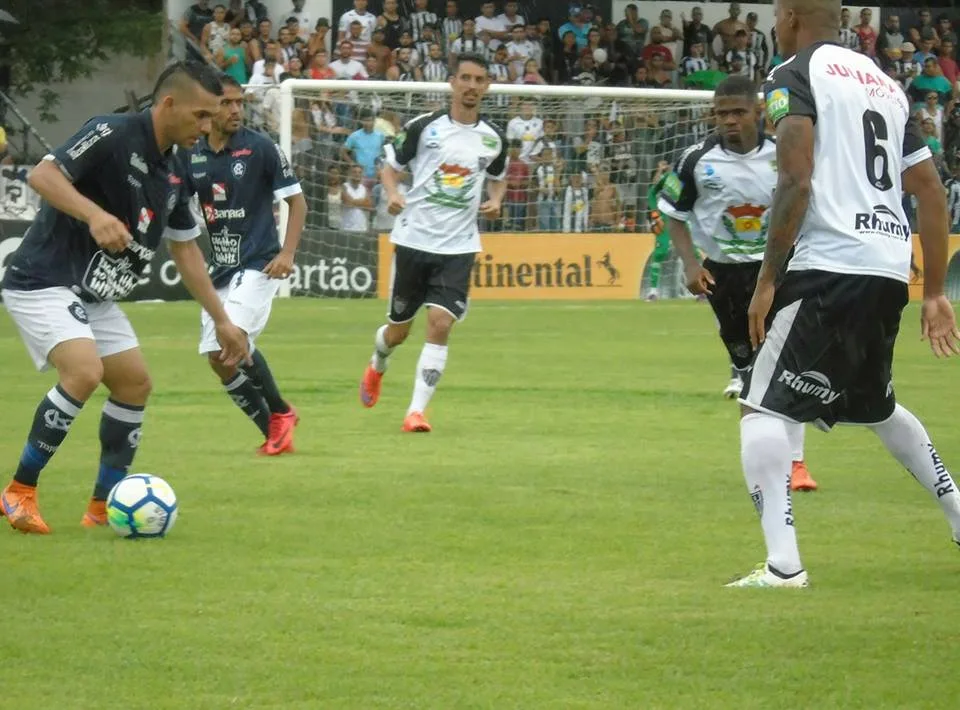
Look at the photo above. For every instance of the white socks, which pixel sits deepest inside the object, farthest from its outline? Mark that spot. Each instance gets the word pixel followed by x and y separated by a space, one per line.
pixel 381 351
pixel 766 456
pixel 430 366
pixel 796 435
pixel 905 438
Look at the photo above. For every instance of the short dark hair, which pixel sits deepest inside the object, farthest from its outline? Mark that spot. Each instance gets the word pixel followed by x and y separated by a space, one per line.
pixel 742 87
pixel 470 58
pixel 227 80
pixel 180 74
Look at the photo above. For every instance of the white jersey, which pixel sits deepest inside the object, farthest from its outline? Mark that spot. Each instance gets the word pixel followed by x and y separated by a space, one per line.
pixel 724 197
pixel 864 140
pixel 449 162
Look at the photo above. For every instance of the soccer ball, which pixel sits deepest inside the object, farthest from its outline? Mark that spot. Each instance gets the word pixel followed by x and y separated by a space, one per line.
pixel 600 55
pixel 142 505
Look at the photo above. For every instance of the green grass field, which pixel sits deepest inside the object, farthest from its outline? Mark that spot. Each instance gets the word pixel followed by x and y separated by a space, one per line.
pixel 559 541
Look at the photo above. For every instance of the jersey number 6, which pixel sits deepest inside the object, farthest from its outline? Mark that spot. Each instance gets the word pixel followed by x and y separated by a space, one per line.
pixel 878 160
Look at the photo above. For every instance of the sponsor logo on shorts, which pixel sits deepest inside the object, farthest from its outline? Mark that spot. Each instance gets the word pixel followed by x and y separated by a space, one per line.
pixel 810 383
pixel 77 310
pixel 882 222
pixel 134 182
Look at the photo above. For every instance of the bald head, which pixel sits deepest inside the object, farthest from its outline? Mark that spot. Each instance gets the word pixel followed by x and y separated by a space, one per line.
pixel 800 23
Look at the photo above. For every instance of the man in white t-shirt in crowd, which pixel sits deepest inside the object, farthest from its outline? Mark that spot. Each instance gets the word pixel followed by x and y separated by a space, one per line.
pixel 303 20
pixel 519 49
pixel 526 128
pixel 509 17
pixel 357 202
pixel 367 20
pixel 346 67
pixel 496 27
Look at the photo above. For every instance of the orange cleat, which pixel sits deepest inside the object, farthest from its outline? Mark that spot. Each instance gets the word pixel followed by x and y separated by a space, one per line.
pixel 370 387
pixel 280 436
pixel 19 504
pixel 96 514
pixel 415 422
pixel 800 479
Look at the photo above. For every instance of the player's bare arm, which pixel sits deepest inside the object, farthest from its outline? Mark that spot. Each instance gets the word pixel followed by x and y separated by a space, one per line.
pixel 697 278
pixel 281 266
pixel 937 321
pixel 496 191
pixel 795 141
pixel 193 269
pixel 390 179
pixel 54 187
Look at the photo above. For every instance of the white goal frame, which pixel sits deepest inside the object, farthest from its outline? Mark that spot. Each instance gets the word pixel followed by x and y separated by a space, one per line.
pixel 289 87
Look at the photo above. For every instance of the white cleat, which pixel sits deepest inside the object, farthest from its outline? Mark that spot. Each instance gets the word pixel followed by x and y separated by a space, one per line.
pixel 763 577
pixel 733 389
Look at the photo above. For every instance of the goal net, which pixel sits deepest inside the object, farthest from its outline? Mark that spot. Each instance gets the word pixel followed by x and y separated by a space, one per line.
pixel 588 155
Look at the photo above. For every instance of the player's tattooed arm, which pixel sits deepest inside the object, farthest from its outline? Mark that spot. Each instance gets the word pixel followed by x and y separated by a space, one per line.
pixel 795 139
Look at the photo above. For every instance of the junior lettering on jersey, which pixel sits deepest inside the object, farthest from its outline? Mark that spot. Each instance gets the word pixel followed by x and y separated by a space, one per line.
pixel 237 188
pixel 115 162
pixel 449 162
pixel 724 197
pixel 865 139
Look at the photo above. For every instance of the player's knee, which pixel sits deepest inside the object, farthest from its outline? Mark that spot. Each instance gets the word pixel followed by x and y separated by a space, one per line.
pixel 81 379
pixel 224 372
pixel 397 334
pixel 135 388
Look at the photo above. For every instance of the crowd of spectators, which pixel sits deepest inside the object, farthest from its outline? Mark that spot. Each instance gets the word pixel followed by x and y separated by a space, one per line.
pixel 580 166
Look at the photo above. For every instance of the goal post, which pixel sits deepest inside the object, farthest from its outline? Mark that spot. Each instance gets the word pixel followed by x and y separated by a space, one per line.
pixel 575 218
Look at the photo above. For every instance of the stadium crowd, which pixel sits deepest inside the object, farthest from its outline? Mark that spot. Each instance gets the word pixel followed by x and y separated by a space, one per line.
pixel 579 166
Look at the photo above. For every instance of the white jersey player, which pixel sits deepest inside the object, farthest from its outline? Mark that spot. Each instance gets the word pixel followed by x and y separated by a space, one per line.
pixel 719 198
pixel 451 154
pixel 846 148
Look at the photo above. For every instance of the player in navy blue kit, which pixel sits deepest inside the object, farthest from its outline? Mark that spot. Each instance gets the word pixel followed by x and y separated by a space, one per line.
pixel 237 174
pixel 110 194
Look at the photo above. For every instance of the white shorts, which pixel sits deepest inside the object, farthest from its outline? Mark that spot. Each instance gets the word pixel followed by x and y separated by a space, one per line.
pixel 50 316
pixel 248 300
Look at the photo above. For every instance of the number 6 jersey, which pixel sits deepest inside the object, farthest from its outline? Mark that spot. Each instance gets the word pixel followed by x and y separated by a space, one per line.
pixel 864 139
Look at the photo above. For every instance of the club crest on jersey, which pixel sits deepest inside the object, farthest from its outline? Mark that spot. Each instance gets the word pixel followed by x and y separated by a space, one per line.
pixel 219 192
pixel 451 186
pixel 778 105
pixel 238 168
pixel 746 226
pixel 144 220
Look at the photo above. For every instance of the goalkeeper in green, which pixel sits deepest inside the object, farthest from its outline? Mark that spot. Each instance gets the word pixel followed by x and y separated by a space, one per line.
pixel 661 249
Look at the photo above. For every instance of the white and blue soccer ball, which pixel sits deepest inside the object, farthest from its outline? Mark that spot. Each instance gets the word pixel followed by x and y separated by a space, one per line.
pixel 142 505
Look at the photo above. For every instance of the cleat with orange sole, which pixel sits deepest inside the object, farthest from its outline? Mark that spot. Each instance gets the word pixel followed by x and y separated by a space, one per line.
pixel 370 386
pixel 800 478
pixel 415 422
pixel 18 503
pixel 96 514
pixel 280 438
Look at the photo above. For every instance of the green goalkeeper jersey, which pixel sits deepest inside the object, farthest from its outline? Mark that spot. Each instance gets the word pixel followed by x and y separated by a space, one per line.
pixel 654 192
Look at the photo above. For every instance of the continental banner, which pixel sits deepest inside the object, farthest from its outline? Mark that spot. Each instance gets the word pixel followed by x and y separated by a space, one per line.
pixel 551 266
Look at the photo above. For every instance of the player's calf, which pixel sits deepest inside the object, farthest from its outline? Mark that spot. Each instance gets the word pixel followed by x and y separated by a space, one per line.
pixel 80 372
pixel 243 393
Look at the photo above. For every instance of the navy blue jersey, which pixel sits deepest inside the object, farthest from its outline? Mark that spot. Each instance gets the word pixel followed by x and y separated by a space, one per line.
pixel 237 187
pixel 114 161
